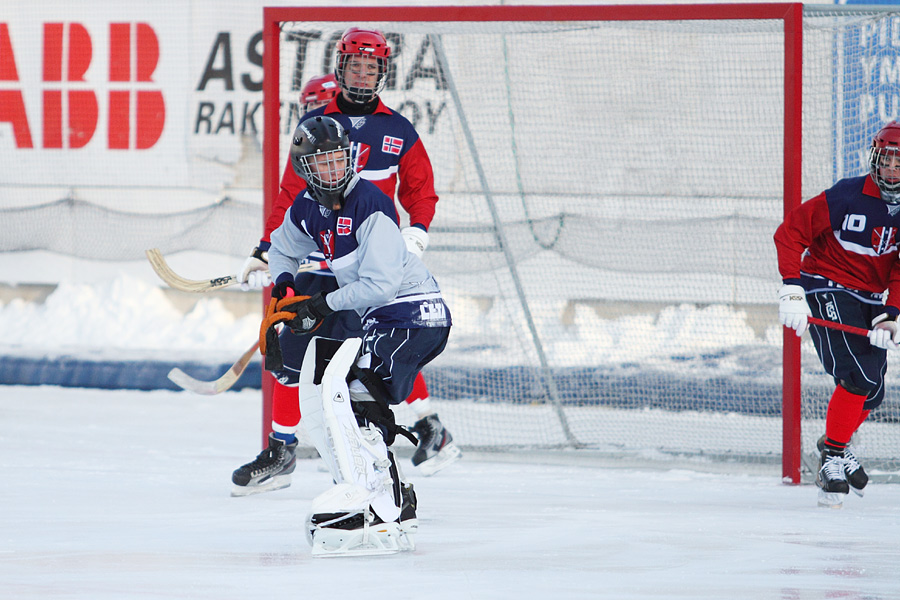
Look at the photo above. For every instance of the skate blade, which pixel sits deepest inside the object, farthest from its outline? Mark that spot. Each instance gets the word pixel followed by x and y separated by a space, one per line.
pixel 378 540
pixel 448 455
pixel 831 499
pixel 409 526
pixel 859 492
pixel 276 483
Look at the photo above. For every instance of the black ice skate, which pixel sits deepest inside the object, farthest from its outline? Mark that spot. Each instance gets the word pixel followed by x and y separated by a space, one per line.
pixel 853 469
pixel 270 471
pixel 832 479
pixel 409 523
pixel 436 449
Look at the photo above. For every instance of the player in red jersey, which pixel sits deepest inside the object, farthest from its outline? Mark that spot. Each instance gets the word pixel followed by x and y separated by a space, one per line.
pixel 318 91
pixel 388 152
pixel 837 255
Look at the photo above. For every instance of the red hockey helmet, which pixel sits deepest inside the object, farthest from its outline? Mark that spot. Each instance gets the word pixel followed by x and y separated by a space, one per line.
pixel 362 78
pixel 318 91
pixel 884 162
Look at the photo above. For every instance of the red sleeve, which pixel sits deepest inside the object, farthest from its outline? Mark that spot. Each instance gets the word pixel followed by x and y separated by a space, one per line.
pixel 893 299
pixel 291 185
pixel 801 226
pixel 416 190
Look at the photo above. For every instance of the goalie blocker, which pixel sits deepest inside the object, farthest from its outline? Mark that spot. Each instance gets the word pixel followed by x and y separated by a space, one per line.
pixel 351 428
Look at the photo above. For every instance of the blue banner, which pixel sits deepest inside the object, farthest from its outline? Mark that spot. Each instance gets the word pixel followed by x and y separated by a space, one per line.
pixel 867 89
pixel 870 2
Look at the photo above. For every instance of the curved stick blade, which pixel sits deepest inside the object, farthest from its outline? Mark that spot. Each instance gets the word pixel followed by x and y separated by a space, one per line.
pixel 223 383
pixel 175 281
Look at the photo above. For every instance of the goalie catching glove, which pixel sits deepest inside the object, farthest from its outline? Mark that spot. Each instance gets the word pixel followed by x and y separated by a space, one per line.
pixel 793 311
pixel 884 332
pixel 302 314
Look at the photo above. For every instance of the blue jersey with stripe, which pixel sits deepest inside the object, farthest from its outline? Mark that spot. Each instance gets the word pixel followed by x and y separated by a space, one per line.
pixel 376 274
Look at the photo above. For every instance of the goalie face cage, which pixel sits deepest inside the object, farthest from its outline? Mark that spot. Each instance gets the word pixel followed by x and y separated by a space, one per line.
pixel 610 178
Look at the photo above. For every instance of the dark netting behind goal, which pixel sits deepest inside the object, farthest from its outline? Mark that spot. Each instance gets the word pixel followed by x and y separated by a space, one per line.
pixel 608 195
pixel 91 231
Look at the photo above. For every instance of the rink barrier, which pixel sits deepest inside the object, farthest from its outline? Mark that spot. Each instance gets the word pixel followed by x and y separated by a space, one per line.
pixel 621 386
pixel 116 375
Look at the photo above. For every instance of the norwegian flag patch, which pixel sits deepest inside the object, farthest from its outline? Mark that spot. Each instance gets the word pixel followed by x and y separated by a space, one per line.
pixel 392 145
pixel 344 225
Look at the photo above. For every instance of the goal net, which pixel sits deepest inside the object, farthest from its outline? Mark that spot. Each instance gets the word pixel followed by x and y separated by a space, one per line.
pixel 851 84
pixel 610 179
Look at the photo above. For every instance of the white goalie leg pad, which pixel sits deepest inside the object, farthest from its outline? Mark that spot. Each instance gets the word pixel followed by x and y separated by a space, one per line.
pixel 346 526
pixel 353 455
pixel 311 407
pixel 360 454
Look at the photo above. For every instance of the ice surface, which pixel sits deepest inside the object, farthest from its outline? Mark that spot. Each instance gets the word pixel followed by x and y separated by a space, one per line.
pixel 123 494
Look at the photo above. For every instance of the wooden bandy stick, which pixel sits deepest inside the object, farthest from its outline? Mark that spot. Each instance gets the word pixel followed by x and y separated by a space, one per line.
pixel 210 388
pixel 178 282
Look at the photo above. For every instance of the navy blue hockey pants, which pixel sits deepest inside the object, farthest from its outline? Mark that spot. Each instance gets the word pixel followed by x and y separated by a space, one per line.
pixel 847 356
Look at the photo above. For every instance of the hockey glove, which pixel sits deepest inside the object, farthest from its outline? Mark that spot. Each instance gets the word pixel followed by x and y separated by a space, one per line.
pixel 793 310
pixel 255 273
pixel 278 311
pixel 284 289
pixel 884 332
pixel 310 314
pixel 416 240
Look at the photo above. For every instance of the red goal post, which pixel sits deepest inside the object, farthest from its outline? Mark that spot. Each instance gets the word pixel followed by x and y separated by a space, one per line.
pixel 790 16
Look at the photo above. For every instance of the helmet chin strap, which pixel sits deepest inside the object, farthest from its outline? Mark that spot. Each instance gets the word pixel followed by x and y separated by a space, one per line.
pixel 361 96
pixel 328 199
pixel 334 199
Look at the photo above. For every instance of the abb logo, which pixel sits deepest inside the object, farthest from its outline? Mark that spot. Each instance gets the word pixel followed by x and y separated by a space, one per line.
pixel 70 109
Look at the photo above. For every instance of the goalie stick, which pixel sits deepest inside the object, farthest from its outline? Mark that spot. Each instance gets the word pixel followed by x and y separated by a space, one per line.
pixel 177 282
pixel 840 326
pixel 210 388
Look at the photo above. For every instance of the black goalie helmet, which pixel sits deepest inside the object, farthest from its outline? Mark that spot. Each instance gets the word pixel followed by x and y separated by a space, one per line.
pixel 320 155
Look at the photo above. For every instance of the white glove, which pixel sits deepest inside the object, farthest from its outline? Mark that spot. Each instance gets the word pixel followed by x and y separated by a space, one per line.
pixel 257 280
pixel 793 309
pixel 255 273
pixel 884 333
pixel 416 240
